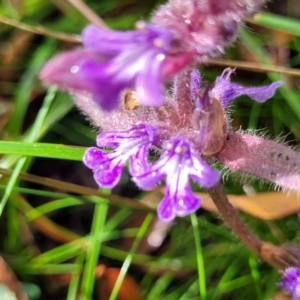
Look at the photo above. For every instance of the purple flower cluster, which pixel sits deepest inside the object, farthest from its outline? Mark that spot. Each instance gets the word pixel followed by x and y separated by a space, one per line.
pixel 291 282
pixel 178 164
pixel 185 128
pixel 189 125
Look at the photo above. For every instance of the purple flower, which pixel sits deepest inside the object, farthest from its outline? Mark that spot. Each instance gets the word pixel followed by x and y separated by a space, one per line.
pixel 132 144
pixel 191 123
pixel 111 61
pixel 291 282
pixel 178 164
pixel 226 92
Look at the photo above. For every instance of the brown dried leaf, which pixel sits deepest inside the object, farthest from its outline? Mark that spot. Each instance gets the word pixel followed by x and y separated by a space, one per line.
pixel 265 206
pixel 282 295
pixel 129 290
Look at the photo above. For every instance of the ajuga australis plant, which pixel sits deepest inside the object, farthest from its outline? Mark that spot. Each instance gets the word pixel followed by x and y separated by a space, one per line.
pixel 117 79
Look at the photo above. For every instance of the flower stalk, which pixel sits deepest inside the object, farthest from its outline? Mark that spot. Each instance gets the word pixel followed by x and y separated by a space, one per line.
pixel 280 257
pixel 231 217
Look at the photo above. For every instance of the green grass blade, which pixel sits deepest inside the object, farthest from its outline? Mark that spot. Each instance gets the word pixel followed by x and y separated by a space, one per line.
pixel 160 286
pixel 256 276
pixel 51 206
pixel 200 260
pixel 142 231
pixel 47 268
pixel 277 22
pixel 24 90
pixel 75 279
pixel 42 150
pixel 11 183
pixel 31 137
pixel 35 192
pixel 61 105
pixel 93 252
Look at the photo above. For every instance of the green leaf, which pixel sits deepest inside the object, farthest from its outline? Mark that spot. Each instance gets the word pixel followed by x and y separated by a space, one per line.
pixel 42 150
pixel 276 22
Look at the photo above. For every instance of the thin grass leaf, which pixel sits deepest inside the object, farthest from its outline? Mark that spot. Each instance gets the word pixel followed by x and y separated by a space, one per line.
pixel 142 231
pixel 62 105
pixel 92 253
pixel 160 286
pixel 236 283
pixel 52 206
pixel 31 137
pixel 256 276
pixel 61 253
pixel 47 269
pixel 75 279
pixel 23 91
pixel 277 22
pixel 34 192
pixel 42 150
pixel 200 259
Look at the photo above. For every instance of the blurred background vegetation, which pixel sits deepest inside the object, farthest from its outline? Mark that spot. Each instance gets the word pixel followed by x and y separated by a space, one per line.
pixel 57 228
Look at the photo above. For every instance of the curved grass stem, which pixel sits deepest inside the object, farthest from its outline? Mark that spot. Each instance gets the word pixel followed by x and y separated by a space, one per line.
pixel 200 259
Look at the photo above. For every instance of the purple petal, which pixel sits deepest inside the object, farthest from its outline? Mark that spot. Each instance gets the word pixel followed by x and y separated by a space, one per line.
pixel 165 209
pixel 178 188
pixel 138 133
pixel 227 91
pixel 109 174
pixel 109 139
pixel 154 174
pixel 64 70
pixel 186 202
pixel 139 162
pixel 149 86
pixel 183 203
pixel 108 99
pixel 107 167
pixel 110 42
pixel 291 282
pixel 148 179
pixel 93 157
pixel 203 173
pixel 105 82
